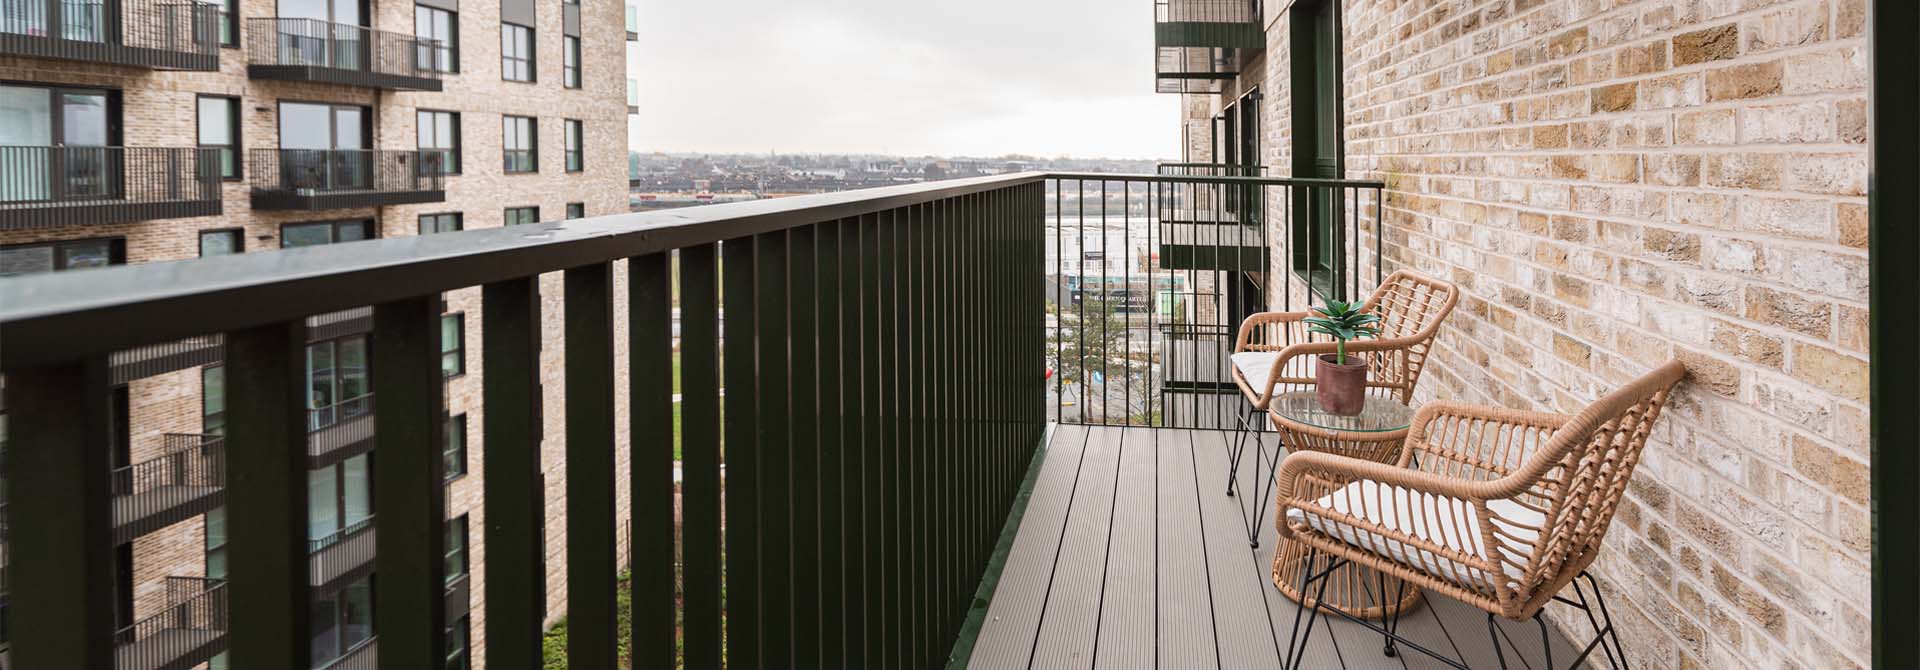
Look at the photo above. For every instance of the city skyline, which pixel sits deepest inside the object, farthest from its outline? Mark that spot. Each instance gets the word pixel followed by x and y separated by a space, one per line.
pixel 899 79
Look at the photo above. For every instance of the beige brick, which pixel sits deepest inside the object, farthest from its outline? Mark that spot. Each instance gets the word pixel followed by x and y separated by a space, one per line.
pixel 1786 124
pixel 1748 80
pixel 1839 473
pixel 1709 44
pixel 1614 98
pixel 1786 310
pixel 1851 219
pixel 1706 127
pixel 1793 26
pixel 1830 370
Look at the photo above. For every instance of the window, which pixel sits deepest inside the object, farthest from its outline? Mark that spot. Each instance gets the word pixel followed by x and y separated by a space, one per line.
pixel 576 210
pixel 337 387
pixel 574 131
pixel 453 344
pixel 339 501
pixel 63 255
pixel 438 136
pixel 520 140
pixel 80 121
pixel 522 215
pixel 220 129
pixel 456 565
pixel 220 242
pixel 516 52
pixel 459 644
pixel 1318 150
pixel 442 54
pixel 570 61
pixel 440 223
pixel 325 232
pixel 213 400
pixel 229 23
pixel 342 621
pixel 217 543
pixel 455 451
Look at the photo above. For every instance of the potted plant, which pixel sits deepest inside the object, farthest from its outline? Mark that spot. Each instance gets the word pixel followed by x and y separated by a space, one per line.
pixel 1342 383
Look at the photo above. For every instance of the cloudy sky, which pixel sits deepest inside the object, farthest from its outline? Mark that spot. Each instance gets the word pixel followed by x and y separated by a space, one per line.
pixel 907 77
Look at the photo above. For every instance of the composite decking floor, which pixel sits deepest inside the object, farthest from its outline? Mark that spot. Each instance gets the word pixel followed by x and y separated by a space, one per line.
pixel 1131 555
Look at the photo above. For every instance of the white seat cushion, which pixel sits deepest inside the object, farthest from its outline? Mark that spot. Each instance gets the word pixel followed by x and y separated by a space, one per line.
pixel 1255 366
pixel 1440 520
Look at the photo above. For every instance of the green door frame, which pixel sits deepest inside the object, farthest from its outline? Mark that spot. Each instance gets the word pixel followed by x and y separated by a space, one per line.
pixel 1894 288
pixel 1319 145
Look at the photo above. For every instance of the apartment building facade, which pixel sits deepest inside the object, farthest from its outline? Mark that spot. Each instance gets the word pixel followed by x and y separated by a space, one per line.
pixel 1612 184
pixel 142 131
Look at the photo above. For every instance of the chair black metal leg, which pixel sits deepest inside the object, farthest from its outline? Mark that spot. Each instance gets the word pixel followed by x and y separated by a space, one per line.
pixel 1612 632
pixel 1493 631
pixel 1546 641
pixel 1393 620
pixel 1318 598
pixel 1600 632
pixel 1294 646
pixel 1265 494
pixel 1235 453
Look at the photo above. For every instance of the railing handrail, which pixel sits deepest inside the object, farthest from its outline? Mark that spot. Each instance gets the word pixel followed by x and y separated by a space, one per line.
pixel 212 599
pixel 339 535
pixel 174 466
pixel 60 315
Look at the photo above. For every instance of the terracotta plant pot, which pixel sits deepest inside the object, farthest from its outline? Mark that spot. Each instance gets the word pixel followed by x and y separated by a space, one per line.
pixel 1342 388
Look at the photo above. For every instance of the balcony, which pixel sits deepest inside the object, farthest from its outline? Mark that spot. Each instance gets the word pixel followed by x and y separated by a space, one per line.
pixel 341 556
pixel 339 431
pixel 48 187
pixel 319 179
pixel 159 34
pixel 188 632
pixel 338 53
pixel 186 480
pixel 1199 44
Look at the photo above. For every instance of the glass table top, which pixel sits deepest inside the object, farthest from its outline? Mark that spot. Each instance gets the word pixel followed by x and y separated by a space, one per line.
pixel 1380 415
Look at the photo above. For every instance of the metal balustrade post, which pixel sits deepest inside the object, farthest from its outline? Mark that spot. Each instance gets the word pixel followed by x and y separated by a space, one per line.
pixel 772 434
pixel 804 441
pixel 267 497
pixel 650 465
pixel 853 478
pixel 515 502
pixel 739 276
pixel 872 445
pixel 410 540
pixel 591 554
pixel 60 503
pixel 700 446
pixel 832 431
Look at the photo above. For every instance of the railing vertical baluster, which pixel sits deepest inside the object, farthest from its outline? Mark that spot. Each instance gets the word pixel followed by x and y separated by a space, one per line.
pixel 410 542
pixel 61 498
pixel 874 441
pixel 776 504
pixel 515 503
pixel 854 481
pixel 834 580
pixel 804 447
pixel 700 447
pixel 591 563
pixel 266 498
pixel 911 441
pixel 899 618
pixel 739 273
pixel 650 466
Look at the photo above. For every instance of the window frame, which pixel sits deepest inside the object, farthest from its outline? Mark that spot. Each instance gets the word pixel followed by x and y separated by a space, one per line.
pixel 463 550
pixel 576 210
pixel 507 220
pixel 62 262
pixel 450 64
pixel 570 61
pixel 421 118
pixel 509 57
pixel 456 426
pixel 460 629
pixel 229 20
pixel 459 350
pixel 335 376
pixel 373 231
pixel 459 222
pixel 573 144
pixel 239 240
pixel 233 132
pixel 510 141
pixel 213 422
pixel 209 548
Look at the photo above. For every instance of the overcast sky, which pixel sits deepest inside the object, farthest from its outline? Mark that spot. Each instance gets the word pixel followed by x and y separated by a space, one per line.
pixel 907 77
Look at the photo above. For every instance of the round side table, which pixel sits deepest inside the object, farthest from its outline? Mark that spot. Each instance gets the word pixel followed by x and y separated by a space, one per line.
pixel 1377 434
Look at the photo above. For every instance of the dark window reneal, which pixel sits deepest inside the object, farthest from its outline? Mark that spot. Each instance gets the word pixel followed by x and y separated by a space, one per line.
pixel 221 242
pixel 575 131
pixel 438 136
pixel 570 61
pixel 325 232
pixel 520 143
pixel 442 53
pixel 219 128
pixel 63 255
pixel 576 210
pixel 453 344
pixel 522 215
pixel 454 453
pixel 441 223
pixel 516 53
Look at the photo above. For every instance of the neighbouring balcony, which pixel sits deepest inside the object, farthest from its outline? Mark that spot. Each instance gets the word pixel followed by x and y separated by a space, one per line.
pixel 339 431
pixel 341 556
pixel 184 481
pixel 337 53
pixel 188 632
pixel 317 179
pixel 159 34
pixel 1200 44
pixel 46 187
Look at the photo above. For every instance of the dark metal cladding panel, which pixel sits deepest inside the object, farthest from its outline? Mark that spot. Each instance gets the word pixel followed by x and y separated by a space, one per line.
pixel 519 12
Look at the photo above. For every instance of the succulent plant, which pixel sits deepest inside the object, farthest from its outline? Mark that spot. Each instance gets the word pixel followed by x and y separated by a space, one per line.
pixel 1343 321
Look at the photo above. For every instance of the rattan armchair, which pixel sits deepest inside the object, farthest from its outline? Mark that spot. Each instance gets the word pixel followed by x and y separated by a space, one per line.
pixel 1274 353
pixel 1498 508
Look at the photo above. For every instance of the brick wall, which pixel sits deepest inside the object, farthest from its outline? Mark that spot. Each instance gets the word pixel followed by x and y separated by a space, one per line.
pixel 1614 183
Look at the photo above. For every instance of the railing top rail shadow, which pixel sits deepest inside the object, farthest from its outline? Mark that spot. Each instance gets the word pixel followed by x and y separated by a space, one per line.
pixel 60 316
